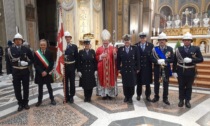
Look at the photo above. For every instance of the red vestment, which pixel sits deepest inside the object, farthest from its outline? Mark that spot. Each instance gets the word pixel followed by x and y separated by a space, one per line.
pixel 106 67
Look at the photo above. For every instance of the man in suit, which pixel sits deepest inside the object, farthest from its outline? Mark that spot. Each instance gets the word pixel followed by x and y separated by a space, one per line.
pixel 70 57
pixel 128 65
pixel 184 68
pixel 43 64
pixel 144 77
pixel 162 56
pixel 20 58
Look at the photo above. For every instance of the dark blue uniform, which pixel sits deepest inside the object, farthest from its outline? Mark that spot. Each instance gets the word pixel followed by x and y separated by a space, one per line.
pixel 144 77
pixel 87 66
pixel 186 71
pixel 159 73
pixel 20 73
pixel 128 64
pixel 71 55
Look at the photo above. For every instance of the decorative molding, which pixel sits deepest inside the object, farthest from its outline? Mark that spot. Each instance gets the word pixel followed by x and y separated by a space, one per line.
pixel 67 5
pixel 97 5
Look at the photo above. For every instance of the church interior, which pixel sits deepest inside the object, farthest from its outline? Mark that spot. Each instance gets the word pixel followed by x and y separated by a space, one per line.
pixel 85 19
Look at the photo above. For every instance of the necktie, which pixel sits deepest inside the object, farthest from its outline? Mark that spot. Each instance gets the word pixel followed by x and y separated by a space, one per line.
pixel 142 47
pixel 186 49
pixel 43 52
pixel 87 52
pixel 127 49
pixel 162 49
pixel 18 48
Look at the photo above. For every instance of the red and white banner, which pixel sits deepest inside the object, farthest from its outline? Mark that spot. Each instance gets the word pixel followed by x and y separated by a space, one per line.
pixel 60 42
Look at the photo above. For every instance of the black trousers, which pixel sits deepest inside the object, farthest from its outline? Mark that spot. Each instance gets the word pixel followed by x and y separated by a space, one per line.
pixel 88 93
pixel 165 89
pixel 0 66
pixel 147 92
pixel 21 78
pixel 70 76
pixel 50 91
pixel 128 91
pixel 185 87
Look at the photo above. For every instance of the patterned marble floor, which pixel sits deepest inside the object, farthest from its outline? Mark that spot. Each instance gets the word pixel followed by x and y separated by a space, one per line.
pixel 102 112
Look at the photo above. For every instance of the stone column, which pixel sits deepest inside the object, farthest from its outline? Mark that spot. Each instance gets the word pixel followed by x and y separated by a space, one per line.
pixel 3 41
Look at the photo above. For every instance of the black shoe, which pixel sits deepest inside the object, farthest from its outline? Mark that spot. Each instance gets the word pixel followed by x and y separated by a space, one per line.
pixel 166 102
pixel 155 100
pixel 53 102
pixel 38 104
pixel 138 98
pixel 148 99
pixel 187 104
pixel 89 100
pixel 110 98
pixel 104 98
pixel 125 99
pixel 181 103
pixel 130 100
pixel 20 108
pixel 26 106
pixel 85 100
pixel 71 100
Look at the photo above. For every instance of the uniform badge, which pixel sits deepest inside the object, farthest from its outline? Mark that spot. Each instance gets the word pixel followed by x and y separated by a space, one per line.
pixel 168 54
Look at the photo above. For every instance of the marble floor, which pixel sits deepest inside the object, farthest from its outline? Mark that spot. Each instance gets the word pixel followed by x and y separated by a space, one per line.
pixel 102 112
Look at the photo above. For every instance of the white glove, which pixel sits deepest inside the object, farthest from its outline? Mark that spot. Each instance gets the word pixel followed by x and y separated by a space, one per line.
pixel 175 75
pixel 23 63
pixel 96 74
pixel 187 60
pixel 161 61
pixel 10 76
pixel 79 74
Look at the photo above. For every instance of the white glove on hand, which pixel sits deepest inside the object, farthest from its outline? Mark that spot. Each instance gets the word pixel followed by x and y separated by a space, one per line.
pixel 10 76
pixel 79 74
pixel 23 63
pixel 96 74
pixel 161 61
pixel 175 75
pixel 187 60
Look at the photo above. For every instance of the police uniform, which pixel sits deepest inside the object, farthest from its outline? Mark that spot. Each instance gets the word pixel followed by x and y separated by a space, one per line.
pixel 87 66
pixel 144 77
pixel 71 55
pixel 128 64
pixel 162 72
pixel 186 71
pixel 20 72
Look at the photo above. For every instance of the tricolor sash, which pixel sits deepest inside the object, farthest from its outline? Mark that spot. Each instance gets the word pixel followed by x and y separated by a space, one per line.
pixel 162 56
pixel 42 58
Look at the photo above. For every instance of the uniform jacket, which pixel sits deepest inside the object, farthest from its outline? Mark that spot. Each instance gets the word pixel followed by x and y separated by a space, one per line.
pixel 145 74
pixel 194 53
pixel 128 64
pixel 87 66
pixel 168 52
pixel 71 54
pixel 39 68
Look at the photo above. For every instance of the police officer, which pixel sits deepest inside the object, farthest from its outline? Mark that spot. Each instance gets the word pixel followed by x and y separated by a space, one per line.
pixel 144 77
pixel 87 70
pixel 8 65
pixel 162 57
pixel 71 55
pixel 20 58
pixel 185 60
pixel 128 65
